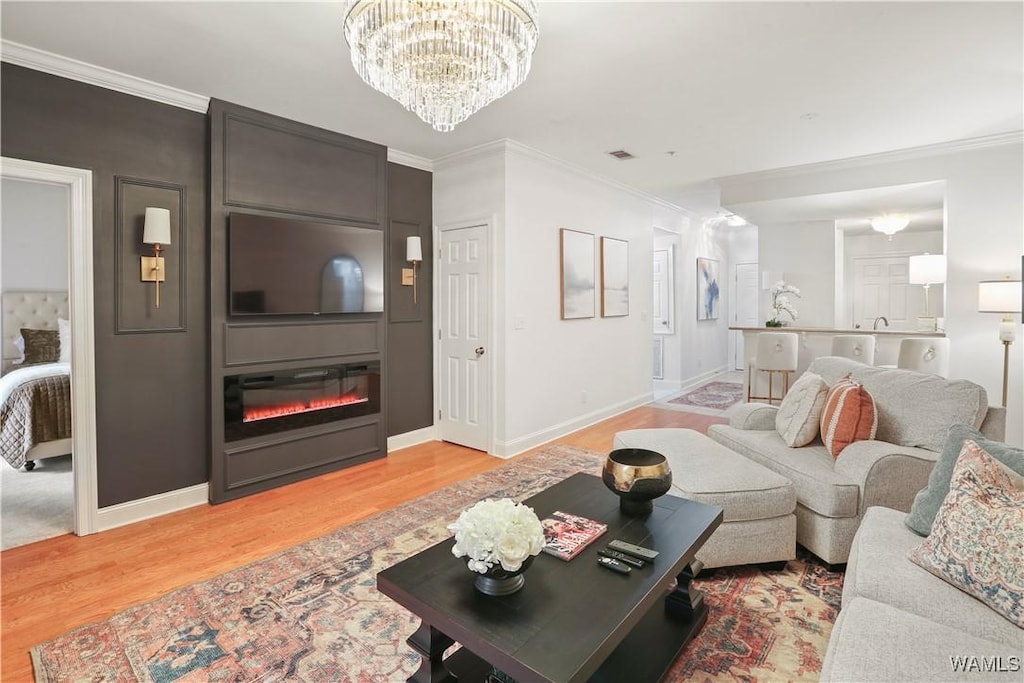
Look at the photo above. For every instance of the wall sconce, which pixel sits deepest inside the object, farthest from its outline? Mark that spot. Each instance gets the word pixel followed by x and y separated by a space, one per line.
pixel 413 254
pixel 1002 296
pixel 157 231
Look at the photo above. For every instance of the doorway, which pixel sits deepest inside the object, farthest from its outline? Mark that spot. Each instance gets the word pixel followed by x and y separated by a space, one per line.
pixel 744 312
pixel 78 185
pixel 465 356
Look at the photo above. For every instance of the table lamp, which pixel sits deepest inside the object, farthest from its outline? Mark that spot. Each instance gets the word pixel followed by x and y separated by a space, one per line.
pixel 927 270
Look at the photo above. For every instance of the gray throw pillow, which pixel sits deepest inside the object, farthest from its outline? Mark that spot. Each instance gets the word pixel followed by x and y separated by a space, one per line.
pixel 41 346
pixel 929 499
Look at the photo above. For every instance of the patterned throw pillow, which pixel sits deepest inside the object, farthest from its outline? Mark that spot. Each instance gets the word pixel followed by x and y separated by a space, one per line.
pixel 41 346
pixel 849 415
pixel 977 541
pixel 800 412
pixel 929 499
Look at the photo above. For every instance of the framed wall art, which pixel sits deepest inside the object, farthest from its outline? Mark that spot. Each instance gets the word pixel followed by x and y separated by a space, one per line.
pixel 578 279
pixel 614 277
pixel 708 293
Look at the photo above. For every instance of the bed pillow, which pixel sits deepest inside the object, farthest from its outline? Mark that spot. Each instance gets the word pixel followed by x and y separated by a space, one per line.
pixel 800 412
pixel 929 499
pixel 978 536
pixel 41 346
pixel 849 415
pixel 64 332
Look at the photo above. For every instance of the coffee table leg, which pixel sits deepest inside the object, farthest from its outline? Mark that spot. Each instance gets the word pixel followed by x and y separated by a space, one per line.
pixel 430 644
pixel 687 602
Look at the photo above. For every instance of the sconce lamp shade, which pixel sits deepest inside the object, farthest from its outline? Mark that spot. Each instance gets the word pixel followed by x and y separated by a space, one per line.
pixel 927 269
pixel 999 296
pixel 158 226
pixel 413 249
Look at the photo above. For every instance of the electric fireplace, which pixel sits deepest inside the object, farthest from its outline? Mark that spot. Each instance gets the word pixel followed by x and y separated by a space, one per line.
pixel 269 402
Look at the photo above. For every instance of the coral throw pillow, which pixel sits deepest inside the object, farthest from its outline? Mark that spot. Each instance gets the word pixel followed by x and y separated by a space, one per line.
pixel 849 416
pixel 977 540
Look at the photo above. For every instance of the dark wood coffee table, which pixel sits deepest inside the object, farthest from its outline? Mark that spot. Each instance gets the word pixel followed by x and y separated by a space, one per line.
pixel 572 621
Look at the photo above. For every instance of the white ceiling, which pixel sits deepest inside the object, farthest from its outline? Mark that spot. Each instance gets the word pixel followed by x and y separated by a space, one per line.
pixel 729 87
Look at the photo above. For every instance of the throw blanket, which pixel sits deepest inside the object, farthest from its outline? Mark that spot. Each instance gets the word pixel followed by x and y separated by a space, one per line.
pixel 35 407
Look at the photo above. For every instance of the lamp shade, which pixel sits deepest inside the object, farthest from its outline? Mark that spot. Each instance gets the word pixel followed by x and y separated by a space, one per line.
pixel 999 296
pixel 927 269
pixel 158 226
pixel 413 249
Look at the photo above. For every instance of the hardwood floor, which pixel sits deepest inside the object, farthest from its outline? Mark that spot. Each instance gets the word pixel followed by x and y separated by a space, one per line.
pixel 53 586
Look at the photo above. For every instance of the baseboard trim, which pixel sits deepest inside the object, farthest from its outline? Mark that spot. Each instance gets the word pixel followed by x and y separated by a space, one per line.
pixel 507 449
pixel 417 436
pixel 154 506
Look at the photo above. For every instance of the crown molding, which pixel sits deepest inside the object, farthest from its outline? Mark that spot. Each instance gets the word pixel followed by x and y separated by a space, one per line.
pixel 405 159
pixel 479 151
pixel 59 65
pixel 893 156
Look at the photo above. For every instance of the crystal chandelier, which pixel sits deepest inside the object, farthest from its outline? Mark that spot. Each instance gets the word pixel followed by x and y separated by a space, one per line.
pixel 443 60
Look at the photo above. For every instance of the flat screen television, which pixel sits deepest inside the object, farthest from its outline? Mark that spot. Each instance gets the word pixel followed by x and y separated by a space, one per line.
pixel 280 266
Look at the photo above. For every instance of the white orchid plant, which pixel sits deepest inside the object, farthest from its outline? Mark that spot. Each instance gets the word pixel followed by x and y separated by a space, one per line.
pixel 494 532
pixel 781 304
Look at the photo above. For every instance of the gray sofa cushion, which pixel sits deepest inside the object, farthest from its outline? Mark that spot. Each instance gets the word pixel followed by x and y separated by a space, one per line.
pixel 929 499
pixel 872 641
pixel 810 468
pixel 914 408
pixel 878 569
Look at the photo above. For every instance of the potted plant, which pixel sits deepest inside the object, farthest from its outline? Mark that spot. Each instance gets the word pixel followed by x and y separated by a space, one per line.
pixel 499 539
pixel 781 304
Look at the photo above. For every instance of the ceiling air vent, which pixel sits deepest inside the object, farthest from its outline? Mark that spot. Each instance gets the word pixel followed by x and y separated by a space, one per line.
pixel 621 154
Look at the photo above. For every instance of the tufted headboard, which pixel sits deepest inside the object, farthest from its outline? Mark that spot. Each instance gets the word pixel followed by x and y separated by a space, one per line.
pixel 37 310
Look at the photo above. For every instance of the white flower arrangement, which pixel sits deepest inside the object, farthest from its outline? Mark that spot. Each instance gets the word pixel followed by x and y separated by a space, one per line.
pixel 781 304
pixel 497 532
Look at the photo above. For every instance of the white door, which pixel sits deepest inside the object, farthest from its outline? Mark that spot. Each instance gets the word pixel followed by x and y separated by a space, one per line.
pixel 745 312
pixel 880 288
pixel 465 359
pixel 662 307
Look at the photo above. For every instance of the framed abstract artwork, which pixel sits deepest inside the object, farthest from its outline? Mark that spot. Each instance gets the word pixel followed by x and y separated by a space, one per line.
pixel 614 277
pixel 578 279
pixel 708 293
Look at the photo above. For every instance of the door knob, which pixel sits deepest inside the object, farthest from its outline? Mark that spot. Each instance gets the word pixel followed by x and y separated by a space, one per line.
pixel 479 350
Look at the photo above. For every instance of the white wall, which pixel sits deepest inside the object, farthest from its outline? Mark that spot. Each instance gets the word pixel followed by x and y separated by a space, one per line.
pixel 796 250
pixel 34 219
pixel 984 237
pixel 553 376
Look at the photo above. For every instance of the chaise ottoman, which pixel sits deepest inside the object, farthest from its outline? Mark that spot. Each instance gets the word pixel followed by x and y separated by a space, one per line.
pixel 759 518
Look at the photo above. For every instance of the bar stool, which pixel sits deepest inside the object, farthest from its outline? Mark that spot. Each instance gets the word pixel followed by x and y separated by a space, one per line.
pixel 925 354
pixel 776 353
pixel 858 347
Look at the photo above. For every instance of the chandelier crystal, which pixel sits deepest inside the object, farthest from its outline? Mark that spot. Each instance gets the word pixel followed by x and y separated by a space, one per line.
pixel 443 60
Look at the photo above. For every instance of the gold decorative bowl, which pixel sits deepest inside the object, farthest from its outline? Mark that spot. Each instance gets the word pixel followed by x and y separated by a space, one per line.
pixel 637 476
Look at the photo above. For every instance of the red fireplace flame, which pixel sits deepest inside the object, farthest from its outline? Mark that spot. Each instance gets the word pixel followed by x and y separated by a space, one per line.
pixel 270 412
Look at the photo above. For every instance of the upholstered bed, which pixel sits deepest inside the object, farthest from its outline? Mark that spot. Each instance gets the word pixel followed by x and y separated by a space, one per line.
pixel 35 399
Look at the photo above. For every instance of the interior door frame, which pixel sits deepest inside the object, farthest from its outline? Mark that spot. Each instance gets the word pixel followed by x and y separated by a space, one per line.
pixel 495 347
pixel 736 336
pixel 78 181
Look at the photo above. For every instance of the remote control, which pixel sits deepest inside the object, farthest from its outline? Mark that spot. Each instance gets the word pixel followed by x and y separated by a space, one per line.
pixel 622 557
pixel 614 565
pixel 634 550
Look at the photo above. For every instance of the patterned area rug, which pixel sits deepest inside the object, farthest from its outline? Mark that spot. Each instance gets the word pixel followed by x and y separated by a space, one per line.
pixel 709 399
pixel 312 612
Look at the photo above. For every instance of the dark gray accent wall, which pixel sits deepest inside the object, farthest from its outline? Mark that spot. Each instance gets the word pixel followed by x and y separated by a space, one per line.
pixel 151 366
pixel 270 166
pixel 410 324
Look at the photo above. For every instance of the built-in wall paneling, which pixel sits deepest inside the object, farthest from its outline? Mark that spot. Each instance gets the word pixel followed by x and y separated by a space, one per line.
pixel 271 166
pixel 410 328
pixel 152 420
pixel 135 305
